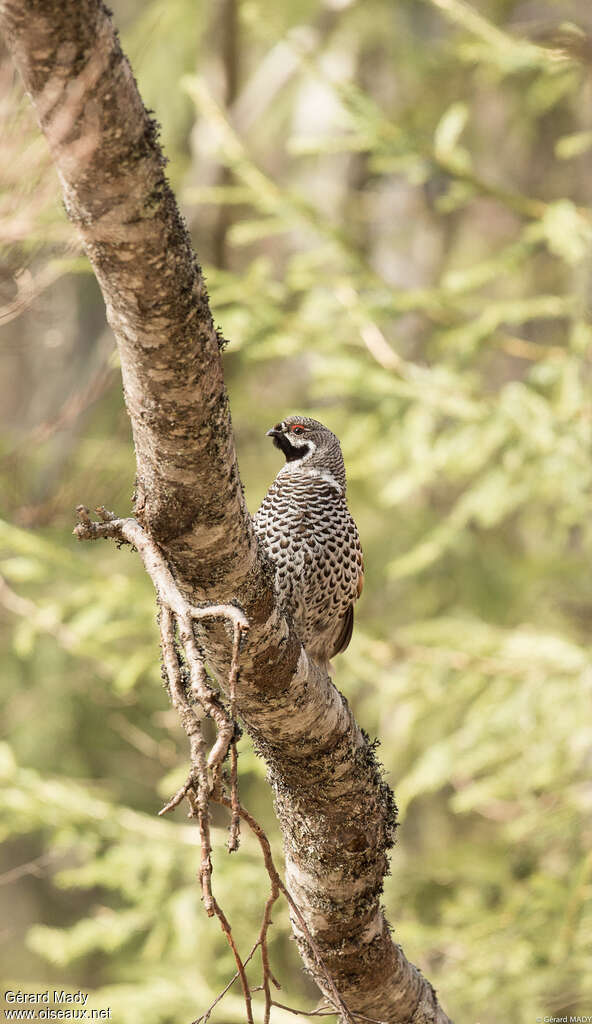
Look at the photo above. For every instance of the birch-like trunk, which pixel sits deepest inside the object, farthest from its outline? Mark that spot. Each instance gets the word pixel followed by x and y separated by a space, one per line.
pixel 335 812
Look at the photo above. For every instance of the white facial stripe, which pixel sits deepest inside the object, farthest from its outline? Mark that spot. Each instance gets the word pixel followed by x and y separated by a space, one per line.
pixel 312 446
pixel 299 462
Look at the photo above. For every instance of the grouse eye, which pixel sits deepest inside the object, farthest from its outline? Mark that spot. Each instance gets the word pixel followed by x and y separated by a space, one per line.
pixel 297 429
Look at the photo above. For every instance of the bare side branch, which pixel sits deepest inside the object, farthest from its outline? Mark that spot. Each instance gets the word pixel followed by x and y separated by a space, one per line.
pixel 335 811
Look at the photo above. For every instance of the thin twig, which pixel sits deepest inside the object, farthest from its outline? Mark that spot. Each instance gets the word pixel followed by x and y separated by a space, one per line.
pixel 177 614
pixel 325 1013
pixel 178 797
pixel 203 693
pixel 202 805
pixel 129 530
pixel 205 1016
pixel 234 837
pixel 234 667
pixel 239 963
pixel 305 1013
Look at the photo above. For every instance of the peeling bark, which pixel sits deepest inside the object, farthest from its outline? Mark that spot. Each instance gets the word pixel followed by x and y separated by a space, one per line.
pixel 336 814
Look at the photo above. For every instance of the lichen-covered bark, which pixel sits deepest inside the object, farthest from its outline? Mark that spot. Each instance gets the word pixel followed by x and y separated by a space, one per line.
pixel 335 812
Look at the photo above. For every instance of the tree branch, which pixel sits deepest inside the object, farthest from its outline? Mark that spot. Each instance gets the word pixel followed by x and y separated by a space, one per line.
pixel 336 813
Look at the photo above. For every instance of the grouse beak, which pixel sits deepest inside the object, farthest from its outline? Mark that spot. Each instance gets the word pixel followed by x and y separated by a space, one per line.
pixel 279 439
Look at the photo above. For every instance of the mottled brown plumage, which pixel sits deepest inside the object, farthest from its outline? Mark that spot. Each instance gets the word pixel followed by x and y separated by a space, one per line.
pixel 305 527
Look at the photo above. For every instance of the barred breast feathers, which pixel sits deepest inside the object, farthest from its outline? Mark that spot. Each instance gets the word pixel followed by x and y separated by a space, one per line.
pixel 305 527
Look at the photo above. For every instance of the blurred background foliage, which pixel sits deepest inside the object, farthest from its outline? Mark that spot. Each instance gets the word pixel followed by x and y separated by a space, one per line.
pixel 391 205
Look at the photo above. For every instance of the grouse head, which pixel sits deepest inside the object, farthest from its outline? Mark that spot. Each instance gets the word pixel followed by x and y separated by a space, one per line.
pixel 310 447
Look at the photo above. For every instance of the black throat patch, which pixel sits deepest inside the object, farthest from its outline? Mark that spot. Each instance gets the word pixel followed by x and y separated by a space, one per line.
pixel 283 443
